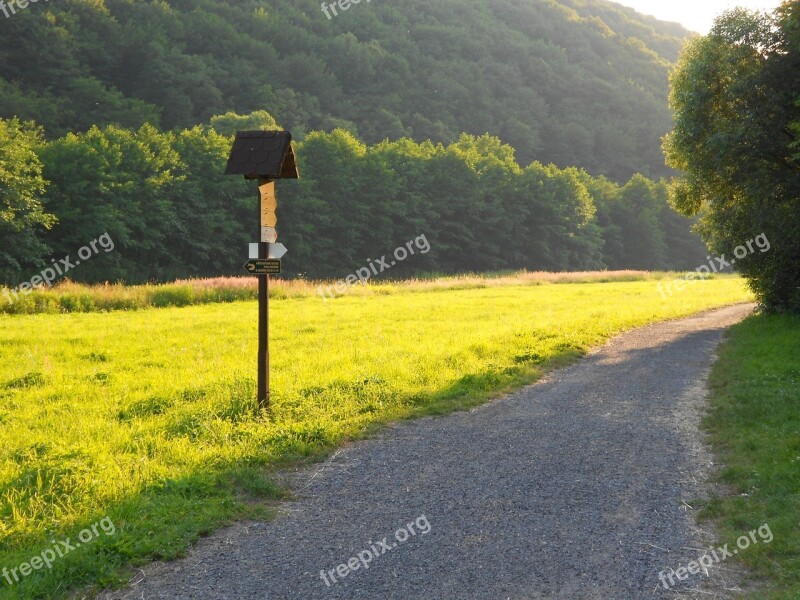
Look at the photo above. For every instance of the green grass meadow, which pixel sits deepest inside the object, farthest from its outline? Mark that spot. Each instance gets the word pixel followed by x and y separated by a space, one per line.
pixel 148 417
pixel 755 427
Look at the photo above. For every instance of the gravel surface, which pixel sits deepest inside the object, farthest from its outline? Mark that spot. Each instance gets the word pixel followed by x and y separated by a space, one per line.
pixel 576 487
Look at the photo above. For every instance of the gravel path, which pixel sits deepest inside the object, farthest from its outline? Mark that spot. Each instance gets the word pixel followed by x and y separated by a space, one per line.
pixel 576 487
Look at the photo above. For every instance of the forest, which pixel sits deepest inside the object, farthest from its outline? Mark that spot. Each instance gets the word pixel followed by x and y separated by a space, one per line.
pixel 513 134
pixel 576 82
pixel 164 201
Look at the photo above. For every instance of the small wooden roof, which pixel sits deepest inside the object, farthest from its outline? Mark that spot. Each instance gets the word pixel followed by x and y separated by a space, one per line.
pixel 263 154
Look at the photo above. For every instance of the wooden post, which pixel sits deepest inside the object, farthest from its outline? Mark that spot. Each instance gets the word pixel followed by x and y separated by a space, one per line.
pixel 263 332
pixel 266 216
pixel 265 156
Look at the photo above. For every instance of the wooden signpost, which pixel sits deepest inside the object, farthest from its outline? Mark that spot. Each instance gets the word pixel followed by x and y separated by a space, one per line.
pixel 265 156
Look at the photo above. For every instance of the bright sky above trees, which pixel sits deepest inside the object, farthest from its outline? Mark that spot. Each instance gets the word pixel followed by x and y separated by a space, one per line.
pixel 697 15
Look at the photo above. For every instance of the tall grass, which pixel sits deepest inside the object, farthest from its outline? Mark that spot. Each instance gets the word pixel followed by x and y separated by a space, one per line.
pixel 69 297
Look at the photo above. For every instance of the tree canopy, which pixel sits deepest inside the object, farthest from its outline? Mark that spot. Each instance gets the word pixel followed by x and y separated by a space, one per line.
pixel 737 130
pixel 23 217
pixel 164 201
pixel 574 82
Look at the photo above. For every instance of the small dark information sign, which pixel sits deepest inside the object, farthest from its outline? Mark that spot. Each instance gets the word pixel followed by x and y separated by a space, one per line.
pixel 269 266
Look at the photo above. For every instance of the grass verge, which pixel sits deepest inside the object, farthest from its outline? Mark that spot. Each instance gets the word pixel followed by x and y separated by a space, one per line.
pixel 754 422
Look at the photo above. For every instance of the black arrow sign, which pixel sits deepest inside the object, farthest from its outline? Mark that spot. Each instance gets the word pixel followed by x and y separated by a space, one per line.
pixel 263 266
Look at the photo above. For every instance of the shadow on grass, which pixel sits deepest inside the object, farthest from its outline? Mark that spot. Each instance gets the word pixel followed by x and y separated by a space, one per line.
pixel 167 517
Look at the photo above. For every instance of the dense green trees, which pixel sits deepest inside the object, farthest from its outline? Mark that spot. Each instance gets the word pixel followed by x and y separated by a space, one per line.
pixel 160 196
pixel 119 86
pixel 22 215
pixel 570 82
pixel 737 132
pixel 164 201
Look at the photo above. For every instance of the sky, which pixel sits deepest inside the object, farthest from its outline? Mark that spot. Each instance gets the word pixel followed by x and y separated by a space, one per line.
pixel 695 15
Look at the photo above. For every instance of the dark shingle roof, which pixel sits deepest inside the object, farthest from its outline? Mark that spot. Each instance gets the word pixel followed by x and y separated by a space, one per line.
pixel 265 154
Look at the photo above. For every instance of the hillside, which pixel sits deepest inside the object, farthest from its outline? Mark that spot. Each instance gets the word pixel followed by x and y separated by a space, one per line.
pixel 576 82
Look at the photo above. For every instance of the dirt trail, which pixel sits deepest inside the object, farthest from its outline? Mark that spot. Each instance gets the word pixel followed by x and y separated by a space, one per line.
pixel 576 487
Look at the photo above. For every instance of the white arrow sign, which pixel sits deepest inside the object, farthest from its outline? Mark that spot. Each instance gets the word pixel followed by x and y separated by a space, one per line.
pixel 269 235
pixel 276 251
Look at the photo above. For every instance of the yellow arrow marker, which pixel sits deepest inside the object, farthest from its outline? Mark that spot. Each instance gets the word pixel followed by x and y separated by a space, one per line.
pixel 267 190
pixel 268 218
pixel 269 205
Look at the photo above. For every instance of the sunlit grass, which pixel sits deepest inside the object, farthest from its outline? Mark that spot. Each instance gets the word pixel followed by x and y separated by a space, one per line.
pixel 68 296
pixel 148 417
